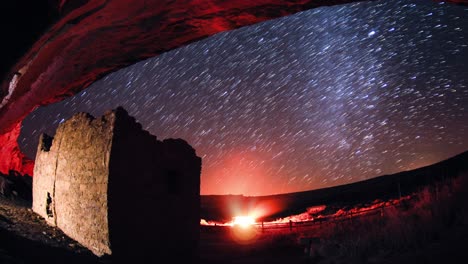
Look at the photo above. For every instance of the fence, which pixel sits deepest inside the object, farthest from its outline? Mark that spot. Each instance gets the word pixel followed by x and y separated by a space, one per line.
pixel 292 225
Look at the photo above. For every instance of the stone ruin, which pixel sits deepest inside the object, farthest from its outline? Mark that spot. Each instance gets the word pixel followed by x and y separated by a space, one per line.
pixel 117 190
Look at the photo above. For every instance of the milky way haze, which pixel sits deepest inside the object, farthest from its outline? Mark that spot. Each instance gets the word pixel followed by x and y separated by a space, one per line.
pixel 324 97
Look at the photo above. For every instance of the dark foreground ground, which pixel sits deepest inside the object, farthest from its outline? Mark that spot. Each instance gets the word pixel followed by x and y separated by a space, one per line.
pixel 27 238
pixel 427 222
pixel 396 238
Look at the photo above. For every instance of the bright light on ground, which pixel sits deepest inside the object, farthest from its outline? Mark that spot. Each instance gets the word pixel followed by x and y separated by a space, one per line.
pixel 243 221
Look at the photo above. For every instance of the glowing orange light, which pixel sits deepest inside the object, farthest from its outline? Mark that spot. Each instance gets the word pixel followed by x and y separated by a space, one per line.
pixel 243 231
pixel 243 221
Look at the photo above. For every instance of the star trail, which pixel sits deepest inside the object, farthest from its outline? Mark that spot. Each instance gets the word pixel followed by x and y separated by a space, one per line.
pixel 324 97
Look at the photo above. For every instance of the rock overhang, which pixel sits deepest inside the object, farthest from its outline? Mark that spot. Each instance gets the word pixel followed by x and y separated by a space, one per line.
pixel 93 38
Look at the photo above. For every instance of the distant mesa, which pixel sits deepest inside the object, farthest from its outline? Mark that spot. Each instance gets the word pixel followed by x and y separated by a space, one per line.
pixel 117 190
pixel 386 187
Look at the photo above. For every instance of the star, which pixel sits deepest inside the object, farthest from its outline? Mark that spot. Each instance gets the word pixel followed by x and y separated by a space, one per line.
pixel 324 97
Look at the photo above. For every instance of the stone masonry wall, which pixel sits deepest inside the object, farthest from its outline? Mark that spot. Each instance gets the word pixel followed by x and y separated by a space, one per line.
pixel 117 190
pixel 44 181
pixel 71 180
pixel 154 195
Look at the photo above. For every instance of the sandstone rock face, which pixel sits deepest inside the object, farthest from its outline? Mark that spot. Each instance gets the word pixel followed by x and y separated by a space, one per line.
pixel 11 157
pixel 118 190
pixel 95 37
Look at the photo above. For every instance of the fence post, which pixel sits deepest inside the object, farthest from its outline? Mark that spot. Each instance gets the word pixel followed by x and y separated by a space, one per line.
pixel 399 189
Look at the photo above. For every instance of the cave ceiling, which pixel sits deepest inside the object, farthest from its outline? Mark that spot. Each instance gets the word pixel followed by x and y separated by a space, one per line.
pixel 71 44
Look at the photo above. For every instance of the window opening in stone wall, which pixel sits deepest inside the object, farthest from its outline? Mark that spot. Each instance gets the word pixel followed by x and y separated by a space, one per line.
pixel 48 205
pixel 46 142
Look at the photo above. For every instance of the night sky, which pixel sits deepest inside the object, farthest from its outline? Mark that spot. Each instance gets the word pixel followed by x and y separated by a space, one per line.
pixel 324 97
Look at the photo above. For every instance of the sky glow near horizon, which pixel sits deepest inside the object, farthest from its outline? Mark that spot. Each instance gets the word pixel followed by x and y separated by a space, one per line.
pixel 324 97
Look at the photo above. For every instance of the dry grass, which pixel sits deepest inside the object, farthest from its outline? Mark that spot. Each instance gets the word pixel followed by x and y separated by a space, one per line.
pixel 425 228
pixel 413 226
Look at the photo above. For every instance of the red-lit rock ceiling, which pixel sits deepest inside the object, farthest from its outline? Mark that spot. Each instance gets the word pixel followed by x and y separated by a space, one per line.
pixel 95 37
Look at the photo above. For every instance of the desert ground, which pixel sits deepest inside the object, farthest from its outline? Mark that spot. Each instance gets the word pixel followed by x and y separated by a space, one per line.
pixel 424 220
pixel 429 226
